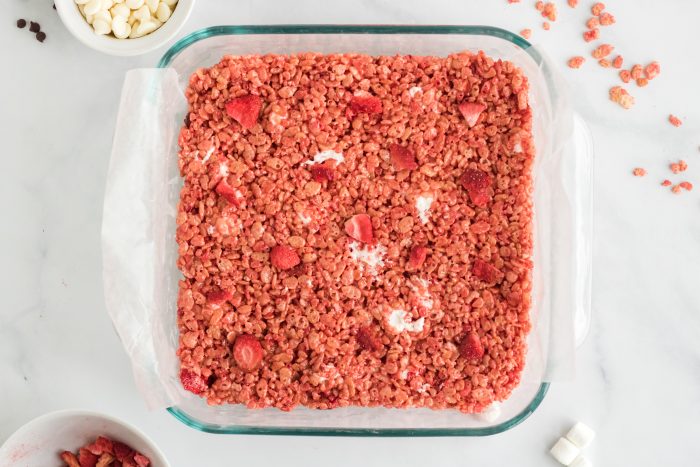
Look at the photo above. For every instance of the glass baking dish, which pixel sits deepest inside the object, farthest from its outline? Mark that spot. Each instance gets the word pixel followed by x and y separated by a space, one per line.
pixel 562 201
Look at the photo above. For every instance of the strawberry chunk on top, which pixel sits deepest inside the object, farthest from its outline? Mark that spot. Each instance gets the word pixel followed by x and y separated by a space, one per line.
pixel 86 458
pixel 471 347
pixel 247 352
pixel 141 460
pixel 477 183
pixel 486 272
pixel 471 112
pixel 402 158
pixel 322 173
pixel 359 227
pixel 284 257
pixel 417 257
pixel 100 446
pixel 368 340
pixel 219 298
pixel 192 382
pixel 122 452
pixel 364 102
pixel 229 193
pixel 245 110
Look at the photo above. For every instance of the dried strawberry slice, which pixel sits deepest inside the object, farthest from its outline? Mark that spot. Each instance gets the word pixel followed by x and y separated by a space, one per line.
pixel 359 227
pixel 229 193
pixel 471 347
pixel 100 446
pixel 245 110
pixel 321 173
pixel 122 451
pixel 191 381
pixel 417 257
pixel 141 460
pixel 368 340
pixel 284 257
pixel 366 103
pixel 247 352
pixel 477 184
pixel 219 298
pixel 70 459
pixel 486 272
pixel 402 158
pixel 471 112
pixel 86 458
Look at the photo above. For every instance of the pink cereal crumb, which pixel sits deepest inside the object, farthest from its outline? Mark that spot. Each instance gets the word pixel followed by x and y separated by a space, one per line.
pixel 666 183
pixel 602 51
pixel 513 1
pixel 605 63
pixel 652 70
pixel 591 35
pixel 593 23
pixel 686 186
pixel 625 76
pixel 617 62
pixel 639 172
pixel 539 5
pixel 676 189
pixel 636 72
pixel 675 121
pixel 550 11
pixel 641 82
pixel 678 167
pixel 572 3
pixel 576 62
pixel 620 96
pixel 606 19
pixel 526 33
pixel 597 9
pixel 546 26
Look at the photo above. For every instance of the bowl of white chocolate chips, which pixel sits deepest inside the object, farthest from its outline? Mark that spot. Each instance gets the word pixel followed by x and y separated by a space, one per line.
pixel 124 27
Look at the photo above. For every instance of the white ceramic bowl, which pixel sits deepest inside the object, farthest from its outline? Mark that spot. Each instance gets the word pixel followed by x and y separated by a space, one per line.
pixel 79 27
pixel 39 442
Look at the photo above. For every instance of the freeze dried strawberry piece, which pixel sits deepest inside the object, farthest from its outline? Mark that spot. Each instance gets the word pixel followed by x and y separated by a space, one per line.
pixel 229 193
pixel 666 183
pixel 477 184
pixel 141 460
pixel 471 112
pixel 402 158
pixel 526 33
pixel 591 35
pixel 122 451
pixel 486 272
pixel 602 51
pixel 597 9
pixel 652 70
pixel 105 460
pixel 617 62
pixel 364 102
pixel 284 257
pixel 359 227
pixel 471 347
pixel 100 446
pixel 576 62
pixel 368 339
pixel 86 458
pixel 620 96
pixel 675 121
pixel 70 459
pixel 606 19
pixel 686 185
pixel 572 3
pixel 417 257
pixel 676 189
pixel 247 352
pixel 219 298
pixel 191 381
pixel 245 110
pixel 322 173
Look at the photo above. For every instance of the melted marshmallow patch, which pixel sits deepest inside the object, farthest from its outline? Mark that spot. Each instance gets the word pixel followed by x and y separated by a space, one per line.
pixel 368 256
pixel 399 322
pixel 423 204
pixel 323 156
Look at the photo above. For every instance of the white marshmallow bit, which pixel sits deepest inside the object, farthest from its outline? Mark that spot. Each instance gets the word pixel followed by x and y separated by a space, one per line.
pixel 134 4
pixel 581 461
pixel 491 413
pixel 120 10
pixel 102 27
pixel 581 435
pixel 564 451
pixel 92 7
pixel 152 5
pixel 102 15
pixel 163 12
pixel 142 14
pixel 120 28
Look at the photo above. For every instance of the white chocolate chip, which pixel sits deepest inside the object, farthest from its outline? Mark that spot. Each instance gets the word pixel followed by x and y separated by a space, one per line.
pixel 101 26
pixel 120 10
pixel 163 12
pixel 92 7
pixel 564 451
pixel 170 3
pixel 152 5
pixel 581 461
pixel 134 4
pixel 134 34
pixel 81 2
pixel 89 18
pixel 581 435
pixel 102 15
pixel 142 14
pixel 491 413
pixel 107 4
pixel 120 28
pixel 146 27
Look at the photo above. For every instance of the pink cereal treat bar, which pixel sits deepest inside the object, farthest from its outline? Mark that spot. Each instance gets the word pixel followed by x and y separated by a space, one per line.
pixel 355 230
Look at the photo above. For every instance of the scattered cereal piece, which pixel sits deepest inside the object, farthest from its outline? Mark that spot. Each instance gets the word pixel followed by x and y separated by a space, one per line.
pixel 245 110
pixel 471 347
pixel 192 382
pixel 639 172
pixel 625 76
pixel 284 257
pixel 513 1
pixel 602 51
pixel 593 23
pixel 247 352
pixel 605 63
pixel 417 257
pixel 471 112
pixel 526 33
pixel 477 184
pixel 402 158
pixel 597 9
pixel 678 167
pixel 359 227
pixel 591 35
pixel 686 185
pixel 676 189
pixel 666 183
pixel 572 3
pixel 539 5
pixel 617 62
pixel 576 62
pixel 606 19
pixel 636 72
pixel 641 82
pixel 620 96
pixel 550 11
pixel 652 70
pixel 546 26
pixel 675 121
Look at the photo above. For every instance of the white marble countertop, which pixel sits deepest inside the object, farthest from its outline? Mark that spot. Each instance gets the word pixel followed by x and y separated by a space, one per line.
pixel 638 373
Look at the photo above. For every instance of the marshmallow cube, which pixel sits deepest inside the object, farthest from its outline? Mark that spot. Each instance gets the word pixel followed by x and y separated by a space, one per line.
pixel 581 435
pixel 581 461
pixel 564 451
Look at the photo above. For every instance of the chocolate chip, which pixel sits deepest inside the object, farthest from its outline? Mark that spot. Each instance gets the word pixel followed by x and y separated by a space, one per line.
pixel 40 36
pixel 34 27
pixel 21 23
pixel 54 6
